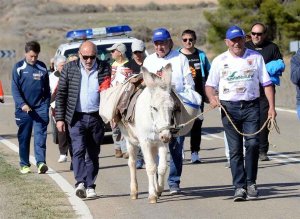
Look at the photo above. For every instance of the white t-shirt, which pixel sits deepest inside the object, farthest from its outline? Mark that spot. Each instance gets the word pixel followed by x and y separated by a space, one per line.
pixel 238 78
pixel 181 73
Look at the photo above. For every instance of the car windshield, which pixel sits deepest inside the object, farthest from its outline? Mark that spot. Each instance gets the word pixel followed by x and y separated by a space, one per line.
pixel 103 54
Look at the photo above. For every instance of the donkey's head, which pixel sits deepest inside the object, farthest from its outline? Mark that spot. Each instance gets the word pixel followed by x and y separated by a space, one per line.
pixel 161 102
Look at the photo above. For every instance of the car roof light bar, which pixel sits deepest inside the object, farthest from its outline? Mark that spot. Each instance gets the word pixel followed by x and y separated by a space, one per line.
pixel 90 33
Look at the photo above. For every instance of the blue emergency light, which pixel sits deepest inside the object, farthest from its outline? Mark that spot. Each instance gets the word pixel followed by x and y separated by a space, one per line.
pixel 94 32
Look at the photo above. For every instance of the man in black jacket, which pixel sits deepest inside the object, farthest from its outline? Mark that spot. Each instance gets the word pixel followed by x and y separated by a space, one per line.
pixel 275 67
pixel 77 104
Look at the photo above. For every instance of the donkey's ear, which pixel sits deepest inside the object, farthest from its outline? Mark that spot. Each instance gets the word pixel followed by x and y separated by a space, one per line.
pixel 167 74
pixel 149 78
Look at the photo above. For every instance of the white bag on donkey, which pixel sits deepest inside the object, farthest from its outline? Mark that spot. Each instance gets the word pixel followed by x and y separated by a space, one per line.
pixel 109 100
pixel 190 102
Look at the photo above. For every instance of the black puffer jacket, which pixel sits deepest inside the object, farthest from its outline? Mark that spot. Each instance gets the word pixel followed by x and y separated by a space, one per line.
pixel 69 87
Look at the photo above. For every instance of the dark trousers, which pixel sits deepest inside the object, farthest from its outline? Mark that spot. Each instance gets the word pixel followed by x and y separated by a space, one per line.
pixel 195 139
pixel 38 120
pixel 86 132
pixel 245 116
pixel 62 139
pixel 264 134
pixel 64 142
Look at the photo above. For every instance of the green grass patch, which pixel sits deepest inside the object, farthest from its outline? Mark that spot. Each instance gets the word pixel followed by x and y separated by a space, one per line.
pixel 30 195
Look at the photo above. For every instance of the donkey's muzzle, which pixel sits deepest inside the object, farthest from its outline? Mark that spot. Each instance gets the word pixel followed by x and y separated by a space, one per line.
pixel 165 136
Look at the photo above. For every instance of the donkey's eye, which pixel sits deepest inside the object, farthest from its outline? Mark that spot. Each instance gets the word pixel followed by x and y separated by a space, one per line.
pixel 154 108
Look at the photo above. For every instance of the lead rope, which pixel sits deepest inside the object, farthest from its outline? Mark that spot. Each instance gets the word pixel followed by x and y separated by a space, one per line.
pixel 271 123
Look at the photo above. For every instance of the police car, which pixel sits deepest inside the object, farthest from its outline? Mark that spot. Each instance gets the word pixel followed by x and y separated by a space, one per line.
pixel 102 37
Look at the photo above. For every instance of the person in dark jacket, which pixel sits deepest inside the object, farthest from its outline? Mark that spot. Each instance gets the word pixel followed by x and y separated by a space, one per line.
pixel 31 93
pixel 77 105
pixel 199 66
pixel 295 78
pixel 275 66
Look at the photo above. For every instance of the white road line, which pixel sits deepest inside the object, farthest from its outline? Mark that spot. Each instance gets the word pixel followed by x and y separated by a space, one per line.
pixel 286 110
pixel 212 135
pixel 206 138
pixel 283 156
pixel 79 206
pixel 273 154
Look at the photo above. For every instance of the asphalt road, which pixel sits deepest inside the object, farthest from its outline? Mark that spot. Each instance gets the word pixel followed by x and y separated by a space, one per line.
pixel 206 188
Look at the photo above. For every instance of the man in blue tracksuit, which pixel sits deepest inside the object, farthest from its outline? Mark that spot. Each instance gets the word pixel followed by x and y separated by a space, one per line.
pixel 31 93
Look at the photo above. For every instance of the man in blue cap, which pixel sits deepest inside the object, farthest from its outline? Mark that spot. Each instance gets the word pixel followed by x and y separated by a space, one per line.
pixel 236 74
pixel 181 79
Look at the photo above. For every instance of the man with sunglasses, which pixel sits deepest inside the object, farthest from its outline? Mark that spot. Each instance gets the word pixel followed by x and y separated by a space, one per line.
pixel 275 67
pixel 199 66
pixel 77 105
pixel 181 80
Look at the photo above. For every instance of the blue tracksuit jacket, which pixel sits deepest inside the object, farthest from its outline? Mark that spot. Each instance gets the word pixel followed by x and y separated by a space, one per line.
pixel 30 84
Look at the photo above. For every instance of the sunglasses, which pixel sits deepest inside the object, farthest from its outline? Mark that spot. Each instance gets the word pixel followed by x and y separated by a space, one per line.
pixel 258 34
pixel 188 39
pixel 137 52
pixel 88 57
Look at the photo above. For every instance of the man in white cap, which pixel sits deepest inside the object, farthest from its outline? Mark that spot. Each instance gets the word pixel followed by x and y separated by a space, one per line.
pixel 181 80
pixel 135 64
pixel 138 56
pixel 119 73
pixel 236 74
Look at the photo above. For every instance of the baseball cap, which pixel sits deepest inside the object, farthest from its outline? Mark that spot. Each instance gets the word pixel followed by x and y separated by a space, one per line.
pixel 137 45
pixel 161 34
pixel 233 32
pixel 118 46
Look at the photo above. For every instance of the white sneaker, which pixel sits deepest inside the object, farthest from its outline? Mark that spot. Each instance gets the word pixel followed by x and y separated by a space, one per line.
pixel 80 191
pixel 62 158
pixel 90 193
pixel 195 158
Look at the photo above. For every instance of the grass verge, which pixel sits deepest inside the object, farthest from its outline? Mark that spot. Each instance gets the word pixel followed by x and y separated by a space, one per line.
pixel 30 195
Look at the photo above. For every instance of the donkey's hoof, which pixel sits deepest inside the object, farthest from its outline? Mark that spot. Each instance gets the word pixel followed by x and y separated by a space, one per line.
pixel 134 196
pixel 159 194
pixel 152 199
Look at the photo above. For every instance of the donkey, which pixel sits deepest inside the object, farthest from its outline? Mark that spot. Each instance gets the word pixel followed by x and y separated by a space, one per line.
pixel 151 131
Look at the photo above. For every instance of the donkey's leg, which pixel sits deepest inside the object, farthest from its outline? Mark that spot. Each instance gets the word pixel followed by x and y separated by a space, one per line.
pixel 162 167
pixel 151 170
pixel 132 151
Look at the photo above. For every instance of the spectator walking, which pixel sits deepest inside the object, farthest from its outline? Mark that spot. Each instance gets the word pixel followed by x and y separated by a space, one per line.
pixel 61 138
pixel 199 66
pixel 135 64
pixel 275 67
pixel 236 74
pixel 295 78
pixel 31 93
pixel 119 73
pixel 181 80
pixel 77 104
pixel 1 93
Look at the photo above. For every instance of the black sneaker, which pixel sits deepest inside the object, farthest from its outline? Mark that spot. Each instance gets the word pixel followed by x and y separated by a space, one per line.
pixel 240 195
pixel 252 192
pixel 263 157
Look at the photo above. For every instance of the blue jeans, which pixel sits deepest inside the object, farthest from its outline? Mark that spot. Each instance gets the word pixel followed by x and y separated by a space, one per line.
pixel 298 111
pixel 245 116
pixel 86 133
pixel 37 119
pixel 175 147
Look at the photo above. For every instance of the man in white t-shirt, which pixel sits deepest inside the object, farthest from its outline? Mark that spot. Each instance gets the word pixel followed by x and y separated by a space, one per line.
pixel 236 74
pixel 181 80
